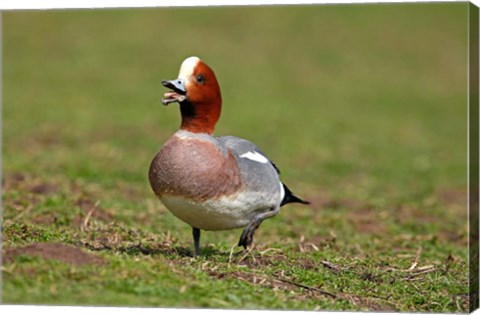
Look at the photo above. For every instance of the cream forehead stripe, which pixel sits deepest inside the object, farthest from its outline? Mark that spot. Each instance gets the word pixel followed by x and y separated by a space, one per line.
pixel 187 67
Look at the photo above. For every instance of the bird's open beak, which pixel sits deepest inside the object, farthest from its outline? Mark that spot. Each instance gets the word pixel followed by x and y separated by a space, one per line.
pixel 178 93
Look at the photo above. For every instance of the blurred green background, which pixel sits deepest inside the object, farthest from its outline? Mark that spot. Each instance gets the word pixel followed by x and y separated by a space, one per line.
pixel 353 102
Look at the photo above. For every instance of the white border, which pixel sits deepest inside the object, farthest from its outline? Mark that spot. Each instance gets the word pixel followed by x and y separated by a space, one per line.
pixel 90 4
pixel 75 4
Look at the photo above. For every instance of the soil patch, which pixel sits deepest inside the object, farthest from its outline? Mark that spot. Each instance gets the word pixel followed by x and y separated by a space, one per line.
pixel 365 220
pixel 44 219
pixel 406 214
pixel 372 304
pixel 351 204
pixel 319 200
pixel 326 201
pixel 43 189
pixel 276 282
pixel 253 278
pixel 452 196
pixel 55 251
pixel 316 243
pixel 23 182
pixel 261 261
pixel 30 192
pixel 91 210
pixel 12 179
pixel 129 192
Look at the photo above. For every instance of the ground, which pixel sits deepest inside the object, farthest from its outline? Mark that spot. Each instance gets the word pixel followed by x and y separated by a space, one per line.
pixel 363 108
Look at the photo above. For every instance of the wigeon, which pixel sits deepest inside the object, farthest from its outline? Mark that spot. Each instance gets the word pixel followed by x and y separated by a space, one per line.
pixel 213 183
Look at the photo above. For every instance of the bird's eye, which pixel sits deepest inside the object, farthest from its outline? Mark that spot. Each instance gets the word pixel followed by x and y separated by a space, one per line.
pixel 200 78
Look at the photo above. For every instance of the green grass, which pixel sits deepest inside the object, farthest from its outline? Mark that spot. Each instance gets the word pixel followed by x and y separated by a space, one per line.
pixel 363 107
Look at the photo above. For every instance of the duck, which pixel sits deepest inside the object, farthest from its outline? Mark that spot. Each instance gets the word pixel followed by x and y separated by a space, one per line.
pixel 213 183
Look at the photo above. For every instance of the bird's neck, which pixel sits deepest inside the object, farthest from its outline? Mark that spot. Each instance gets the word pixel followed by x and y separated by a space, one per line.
pixel 199 118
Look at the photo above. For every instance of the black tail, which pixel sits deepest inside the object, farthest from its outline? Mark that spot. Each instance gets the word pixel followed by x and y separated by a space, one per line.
pixel 291 198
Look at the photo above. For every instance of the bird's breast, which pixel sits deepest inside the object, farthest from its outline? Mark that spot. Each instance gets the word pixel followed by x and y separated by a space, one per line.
pixel 194 169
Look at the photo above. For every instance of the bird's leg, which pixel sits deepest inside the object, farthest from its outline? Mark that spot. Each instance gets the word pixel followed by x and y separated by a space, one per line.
pixel 247 235
pixel 196 241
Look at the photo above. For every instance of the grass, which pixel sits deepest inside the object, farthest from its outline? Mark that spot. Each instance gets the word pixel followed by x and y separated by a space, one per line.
pixel 363 107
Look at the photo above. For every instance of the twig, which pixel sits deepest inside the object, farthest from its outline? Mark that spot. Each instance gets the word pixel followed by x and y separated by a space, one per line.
pixel 101 246
pixel 89 214
pixel 262 279
pixel 417 257
pixel 303 286
pixel 331 266
pixel 231 254
pixel 313 246
pixel 359 249
pixel 300 247
pixel 419 271
pixel 269 249
pixel 22 213
pixel 246 254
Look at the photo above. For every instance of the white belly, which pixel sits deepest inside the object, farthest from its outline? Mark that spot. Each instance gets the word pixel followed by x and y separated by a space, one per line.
pixel 223 213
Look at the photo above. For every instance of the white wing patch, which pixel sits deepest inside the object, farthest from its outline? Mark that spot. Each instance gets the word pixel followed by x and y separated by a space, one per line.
pixel 254 156
pixel 282 192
